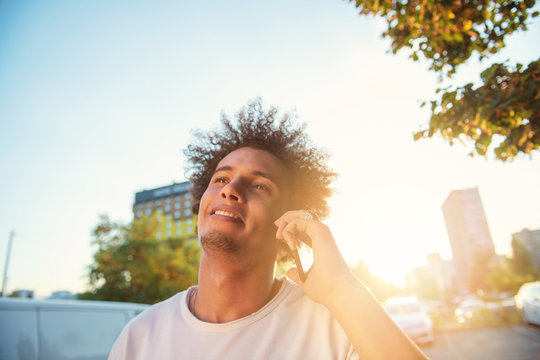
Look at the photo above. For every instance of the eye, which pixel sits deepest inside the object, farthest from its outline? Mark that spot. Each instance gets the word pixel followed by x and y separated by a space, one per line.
pixel 220 180
pixel 262 187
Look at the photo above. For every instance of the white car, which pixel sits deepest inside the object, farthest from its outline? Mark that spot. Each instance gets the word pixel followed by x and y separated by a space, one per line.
pixel 61 329
pixel 411 317
pixel 528 302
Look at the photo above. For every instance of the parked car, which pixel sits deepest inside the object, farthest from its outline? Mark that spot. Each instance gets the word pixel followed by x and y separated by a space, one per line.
pixel 469 309
pixel 61 329
pixel 411 317
pixel 528 302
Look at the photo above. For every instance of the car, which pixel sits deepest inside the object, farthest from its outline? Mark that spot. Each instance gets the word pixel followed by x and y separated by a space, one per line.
pixel 61 329
pixel 469 309
pixel 528 302
pixel 411 317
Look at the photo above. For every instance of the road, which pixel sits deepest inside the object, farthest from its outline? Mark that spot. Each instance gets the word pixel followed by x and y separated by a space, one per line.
pixel 512 343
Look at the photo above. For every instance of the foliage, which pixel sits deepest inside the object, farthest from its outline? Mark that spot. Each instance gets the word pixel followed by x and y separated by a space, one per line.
pixel 502 277
pixel 380 288
pixel 521 261
pixel 446 34
pixel 507 105
pixel 131 265
pixel 476 279
pixel 428 286
pixel 510 274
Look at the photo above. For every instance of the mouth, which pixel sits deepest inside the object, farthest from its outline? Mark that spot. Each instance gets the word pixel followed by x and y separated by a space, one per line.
pixel 227 215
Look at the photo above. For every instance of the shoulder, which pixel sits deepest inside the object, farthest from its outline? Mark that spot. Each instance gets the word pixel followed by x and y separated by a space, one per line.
pixel 157 313
pixel 141 330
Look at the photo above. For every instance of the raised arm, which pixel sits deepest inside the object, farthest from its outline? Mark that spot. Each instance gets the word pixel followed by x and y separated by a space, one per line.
pixel 370 329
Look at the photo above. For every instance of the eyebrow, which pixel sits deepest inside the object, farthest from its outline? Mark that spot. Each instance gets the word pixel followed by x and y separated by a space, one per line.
pixel 256 173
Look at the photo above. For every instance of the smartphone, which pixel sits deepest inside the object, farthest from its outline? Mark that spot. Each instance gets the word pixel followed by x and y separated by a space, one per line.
pixel 303 256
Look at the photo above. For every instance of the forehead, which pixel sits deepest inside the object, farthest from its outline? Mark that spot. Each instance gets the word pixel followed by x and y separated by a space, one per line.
pixel 256 161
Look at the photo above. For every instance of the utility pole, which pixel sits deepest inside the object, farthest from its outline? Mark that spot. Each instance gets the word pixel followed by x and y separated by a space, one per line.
pixel 11 235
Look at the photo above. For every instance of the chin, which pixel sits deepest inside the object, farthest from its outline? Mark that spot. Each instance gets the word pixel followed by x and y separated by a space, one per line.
pixel 217 242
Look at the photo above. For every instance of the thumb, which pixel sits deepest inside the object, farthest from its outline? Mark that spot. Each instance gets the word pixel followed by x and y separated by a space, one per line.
pixel 292 274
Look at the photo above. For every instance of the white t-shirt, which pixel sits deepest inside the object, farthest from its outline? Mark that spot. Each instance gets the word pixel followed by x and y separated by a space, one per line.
pixel 290 326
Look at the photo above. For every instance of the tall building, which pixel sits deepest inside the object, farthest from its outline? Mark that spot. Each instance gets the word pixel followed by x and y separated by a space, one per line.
pixel 531 240
pixel 468 231
pixel 171 205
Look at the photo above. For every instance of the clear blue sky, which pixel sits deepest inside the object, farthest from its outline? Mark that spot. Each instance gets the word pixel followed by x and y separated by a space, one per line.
pixel 97 100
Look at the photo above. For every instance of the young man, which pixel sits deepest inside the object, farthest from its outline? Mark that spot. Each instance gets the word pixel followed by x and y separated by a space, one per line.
pixel 260 187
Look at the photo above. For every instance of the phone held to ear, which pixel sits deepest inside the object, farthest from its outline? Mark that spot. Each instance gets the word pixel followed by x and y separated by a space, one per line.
pixel 303 256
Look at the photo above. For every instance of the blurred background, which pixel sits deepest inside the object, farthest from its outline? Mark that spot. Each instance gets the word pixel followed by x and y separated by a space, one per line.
pixel 97 101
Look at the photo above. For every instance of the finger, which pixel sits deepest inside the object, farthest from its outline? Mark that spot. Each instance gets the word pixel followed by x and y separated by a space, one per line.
pixel 280 225
pixel 279 235
pixel 294 214
pixel 296 231
pixel 292 274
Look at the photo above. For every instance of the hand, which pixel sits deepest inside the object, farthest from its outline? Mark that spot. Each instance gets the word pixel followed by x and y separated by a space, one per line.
pixel 329 270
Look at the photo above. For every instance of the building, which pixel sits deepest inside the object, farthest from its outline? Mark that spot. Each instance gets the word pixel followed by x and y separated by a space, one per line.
pixel 468 232
pixel 438 273
pixel 171 205
pixel 531 240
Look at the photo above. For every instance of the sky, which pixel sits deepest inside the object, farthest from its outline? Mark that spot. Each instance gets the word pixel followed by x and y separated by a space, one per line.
pixel 97 101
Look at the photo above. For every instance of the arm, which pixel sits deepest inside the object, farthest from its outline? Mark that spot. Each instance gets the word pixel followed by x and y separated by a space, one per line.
pixel 372 332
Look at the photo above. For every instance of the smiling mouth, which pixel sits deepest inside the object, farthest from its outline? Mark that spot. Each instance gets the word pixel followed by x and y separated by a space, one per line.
pixel 227 214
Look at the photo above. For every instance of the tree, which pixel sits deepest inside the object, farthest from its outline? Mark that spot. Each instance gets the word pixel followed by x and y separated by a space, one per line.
pixel 502 277
pixel 130 264
pixel 505 110
pixel 521 261
pixel 380 288
pixel 476 279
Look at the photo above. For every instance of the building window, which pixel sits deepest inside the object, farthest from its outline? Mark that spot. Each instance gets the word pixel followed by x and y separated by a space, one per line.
pixel 168 233
pixel 177 206
pixel 188 221
pixel 139 213
pixel 158 235
pixel 188 230
pixel 178 231
pixel 167 208
pixel 167 200
pixel 177 198
pixel 178 222
pixel 158 218
pixel 187 212
pixel 158 202
pixel 158 209
pixel 139 206
pixel 148 211
pixel 168 224
pixel 187 203
pixel 168 216
pixel 177 214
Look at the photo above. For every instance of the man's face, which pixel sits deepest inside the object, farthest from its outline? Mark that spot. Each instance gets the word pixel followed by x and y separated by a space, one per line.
pixel 247 193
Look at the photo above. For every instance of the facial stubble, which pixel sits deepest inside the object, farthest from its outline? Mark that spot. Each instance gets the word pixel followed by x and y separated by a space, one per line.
pixel 217 242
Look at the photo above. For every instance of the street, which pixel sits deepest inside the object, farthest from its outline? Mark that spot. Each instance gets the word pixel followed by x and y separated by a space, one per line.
pixel 501 343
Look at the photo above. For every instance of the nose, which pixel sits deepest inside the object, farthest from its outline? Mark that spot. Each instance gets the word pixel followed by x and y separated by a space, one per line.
pixel 232 191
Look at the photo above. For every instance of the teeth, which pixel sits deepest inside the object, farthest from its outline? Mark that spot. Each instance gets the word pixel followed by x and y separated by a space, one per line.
pixel 225 213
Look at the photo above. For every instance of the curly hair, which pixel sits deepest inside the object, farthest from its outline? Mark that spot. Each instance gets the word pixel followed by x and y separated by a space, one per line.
pixel 264 130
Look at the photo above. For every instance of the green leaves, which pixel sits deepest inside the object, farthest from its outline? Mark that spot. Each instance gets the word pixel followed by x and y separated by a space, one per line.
pixel 506 106
pixel 448 33
pixel 503 112
pixel 130 264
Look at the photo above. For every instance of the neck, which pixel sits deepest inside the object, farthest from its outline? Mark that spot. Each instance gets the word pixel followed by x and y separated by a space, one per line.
pixel 227 293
